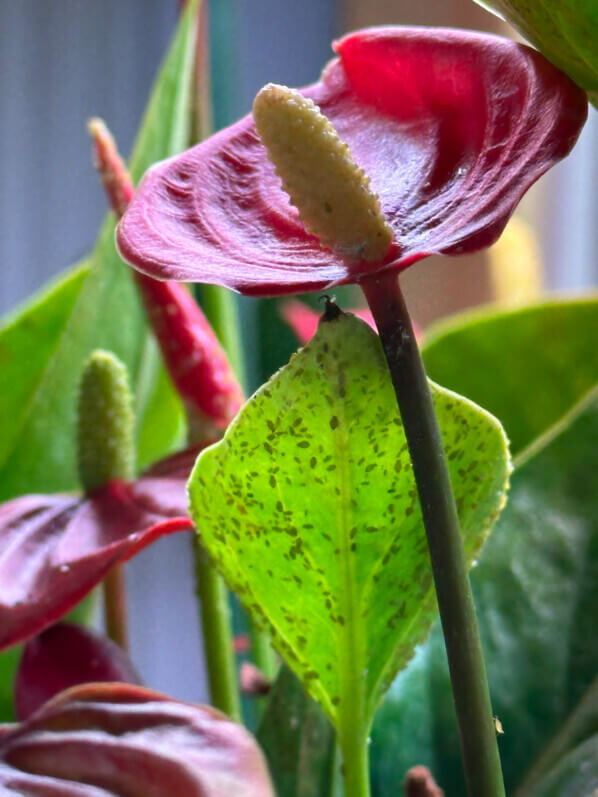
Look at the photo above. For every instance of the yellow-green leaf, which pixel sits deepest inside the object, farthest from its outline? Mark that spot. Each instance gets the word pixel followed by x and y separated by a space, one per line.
pixel 308 507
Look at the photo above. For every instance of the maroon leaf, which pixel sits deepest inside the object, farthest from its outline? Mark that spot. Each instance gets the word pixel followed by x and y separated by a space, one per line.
pixel 66 655
pixel 54 549
pixel 118 739
pixel 451 127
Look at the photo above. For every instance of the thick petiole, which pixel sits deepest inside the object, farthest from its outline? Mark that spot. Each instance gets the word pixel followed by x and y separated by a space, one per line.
pixel 481 760
pixel 217 635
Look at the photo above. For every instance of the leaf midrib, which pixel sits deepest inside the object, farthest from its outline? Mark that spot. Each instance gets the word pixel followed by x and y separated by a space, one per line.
pixel 350 641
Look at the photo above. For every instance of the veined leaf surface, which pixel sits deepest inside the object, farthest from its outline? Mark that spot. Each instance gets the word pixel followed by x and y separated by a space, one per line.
pixel 308 507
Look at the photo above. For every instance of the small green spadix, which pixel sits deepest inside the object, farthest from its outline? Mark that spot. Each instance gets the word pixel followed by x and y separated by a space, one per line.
pixel 105 445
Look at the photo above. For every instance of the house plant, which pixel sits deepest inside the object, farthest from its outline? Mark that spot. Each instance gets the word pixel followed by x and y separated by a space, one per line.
pixel 358 360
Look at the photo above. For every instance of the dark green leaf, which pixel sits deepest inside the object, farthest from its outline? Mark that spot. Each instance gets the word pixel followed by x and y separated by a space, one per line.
pixel 527 367
pixel 575 776
pixel 95 308
pixel 27 343
pixel 566 31
pixel 298 740
pixel 536 590
pixel 309 508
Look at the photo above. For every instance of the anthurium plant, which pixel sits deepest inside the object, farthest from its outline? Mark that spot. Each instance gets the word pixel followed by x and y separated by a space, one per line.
pixel 343 504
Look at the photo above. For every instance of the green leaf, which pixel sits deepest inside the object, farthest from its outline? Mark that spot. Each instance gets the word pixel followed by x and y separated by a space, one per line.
pixel 99 309
pixel 309 509
pixel 27 343
pixel 297 739
pixel 528 367
pixel 161 423
pixel 536 589
pixel 566 31
pixel 575 776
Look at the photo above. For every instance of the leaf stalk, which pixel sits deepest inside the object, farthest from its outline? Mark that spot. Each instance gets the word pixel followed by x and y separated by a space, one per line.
pixel 217 635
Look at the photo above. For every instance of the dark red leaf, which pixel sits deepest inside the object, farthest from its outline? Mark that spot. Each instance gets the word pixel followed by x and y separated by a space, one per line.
pixel 66 655
pixel 54 549
pixel 117 739
pixel 451 126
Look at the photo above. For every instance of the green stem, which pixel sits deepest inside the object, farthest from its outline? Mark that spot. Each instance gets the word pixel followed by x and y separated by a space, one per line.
pixel 115 606
pixel 217 636
pixel 262 654
pixel 356 765
pixel 479 747
pixel 336 779
pixel 220 307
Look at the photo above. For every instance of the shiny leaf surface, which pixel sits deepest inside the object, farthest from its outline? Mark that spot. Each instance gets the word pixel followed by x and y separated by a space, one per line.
pixel 566 32
pixel 528 366
pixel 55 548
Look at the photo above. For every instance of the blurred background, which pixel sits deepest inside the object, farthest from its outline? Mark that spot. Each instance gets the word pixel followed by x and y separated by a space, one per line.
pixel 66 60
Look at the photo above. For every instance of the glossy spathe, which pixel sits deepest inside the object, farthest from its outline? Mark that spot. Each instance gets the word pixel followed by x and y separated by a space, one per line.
pixel 450 126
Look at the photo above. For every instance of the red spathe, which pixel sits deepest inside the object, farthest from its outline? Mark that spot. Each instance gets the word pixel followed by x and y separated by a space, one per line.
pixel 452 127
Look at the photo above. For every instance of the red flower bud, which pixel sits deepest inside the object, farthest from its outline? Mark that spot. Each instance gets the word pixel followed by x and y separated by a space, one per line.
pixel 195 360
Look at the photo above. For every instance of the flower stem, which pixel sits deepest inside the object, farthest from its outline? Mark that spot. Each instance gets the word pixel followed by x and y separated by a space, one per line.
pixel 355 765
pixel 217 636
pixel 115 606
pixel 221 311
pixel 479 747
